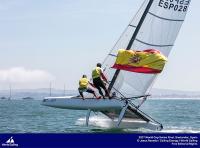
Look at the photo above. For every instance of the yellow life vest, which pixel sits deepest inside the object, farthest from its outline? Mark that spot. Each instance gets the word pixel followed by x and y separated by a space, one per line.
pixel 83 83
pixel 96 73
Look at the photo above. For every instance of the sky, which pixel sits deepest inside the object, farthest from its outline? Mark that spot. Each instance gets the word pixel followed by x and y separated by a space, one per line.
pixel 58 41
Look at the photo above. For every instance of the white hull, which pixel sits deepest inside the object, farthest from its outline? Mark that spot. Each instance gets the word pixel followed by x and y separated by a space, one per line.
pixel 69 102
pixel 101 105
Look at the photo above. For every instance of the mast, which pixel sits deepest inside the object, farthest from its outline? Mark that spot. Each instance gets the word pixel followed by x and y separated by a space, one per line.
pixel 50 85
pixel 10 93
pixel 64 90
pixel 131 41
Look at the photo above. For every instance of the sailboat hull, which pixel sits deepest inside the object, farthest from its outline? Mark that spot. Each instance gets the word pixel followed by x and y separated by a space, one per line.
pixel 105 106
pixel 76 103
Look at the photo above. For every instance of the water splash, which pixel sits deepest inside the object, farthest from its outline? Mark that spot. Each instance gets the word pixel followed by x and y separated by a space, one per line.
pixel 174 129
pixel 98 121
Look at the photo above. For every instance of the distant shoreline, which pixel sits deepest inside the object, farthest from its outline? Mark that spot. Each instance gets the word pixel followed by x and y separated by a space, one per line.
pixel 44 92
pixel 174 96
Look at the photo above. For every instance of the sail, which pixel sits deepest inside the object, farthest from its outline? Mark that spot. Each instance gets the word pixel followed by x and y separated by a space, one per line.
pixel 158 32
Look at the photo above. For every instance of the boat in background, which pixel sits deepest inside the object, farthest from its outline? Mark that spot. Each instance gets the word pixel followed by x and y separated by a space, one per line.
pixel 149 37
pixel 4 98
pixel 27 98
pixel 10 94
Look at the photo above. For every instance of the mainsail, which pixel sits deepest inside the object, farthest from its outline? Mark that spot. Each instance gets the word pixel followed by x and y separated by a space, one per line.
pixel 162 20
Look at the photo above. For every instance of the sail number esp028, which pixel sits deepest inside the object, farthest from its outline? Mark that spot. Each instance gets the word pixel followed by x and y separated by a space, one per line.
pixel 176 5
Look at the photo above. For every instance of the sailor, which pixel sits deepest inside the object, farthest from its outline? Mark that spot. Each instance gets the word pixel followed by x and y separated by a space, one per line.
pixel 83 86
pixel 97 76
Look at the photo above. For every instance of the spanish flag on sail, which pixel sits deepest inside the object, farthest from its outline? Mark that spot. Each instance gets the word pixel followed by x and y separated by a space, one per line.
pixel 147 61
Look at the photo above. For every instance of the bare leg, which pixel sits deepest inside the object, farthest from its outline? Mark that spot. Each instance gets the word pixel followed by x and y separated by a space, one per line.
pixel 92 92
pixel 96 96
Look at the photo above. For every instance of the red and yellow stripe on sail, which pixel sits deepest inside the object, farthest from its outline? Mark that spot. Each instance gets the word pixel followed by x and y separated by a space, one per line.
pixel 147 61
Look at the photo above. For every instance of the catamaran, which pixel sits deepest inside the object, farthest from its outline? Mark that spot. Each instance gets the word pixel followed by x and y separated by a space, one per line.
pixel 133 65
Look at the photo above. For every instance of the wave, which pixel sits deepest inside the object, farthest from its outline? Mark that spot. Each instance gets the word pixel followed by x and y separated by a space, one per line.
pixel 174 98
pixel 103 124
pixel 174 129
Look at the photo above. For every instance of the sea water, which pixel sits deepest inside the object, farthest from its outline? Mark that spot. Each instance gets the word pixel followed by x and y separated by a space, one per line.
pixel 29 116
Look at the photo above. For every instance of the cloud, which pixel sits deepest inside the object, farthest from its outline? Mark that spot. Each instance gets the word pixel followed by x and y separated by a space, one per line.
pixel 22 75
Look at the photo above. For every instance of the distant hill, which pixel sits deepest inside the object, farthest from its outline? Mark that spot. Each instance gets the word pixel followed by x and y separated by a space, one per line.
pixel 167 93
pixel 35 93
pixel 44 92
